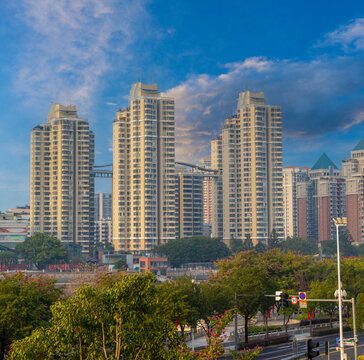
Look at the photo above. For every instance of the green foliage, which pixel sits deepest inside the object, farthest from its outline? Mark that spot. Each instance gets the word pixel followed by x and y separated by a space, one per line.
pixel 191 303
pixel 215 299
pixel 111 319
pixel 299 245
pixel 359 313
pixel 252 275
pixel 42 250
pixel 100 246
pixel 237 245
pixel 249 280
pixel 179 301
pixel 120 264
pixel 260 247
pixel 24 305
pixel 346 247
pixel 194 249
pixel 7 258
pixel 273 240
pixel 360 249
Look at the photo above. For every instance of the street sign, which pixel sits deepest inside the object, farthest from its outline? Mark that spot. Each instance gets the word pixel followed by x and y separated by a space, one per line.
pixel 278 295
pixel 294 300
pixel 302 296
pixel 303 305
pixel 349 342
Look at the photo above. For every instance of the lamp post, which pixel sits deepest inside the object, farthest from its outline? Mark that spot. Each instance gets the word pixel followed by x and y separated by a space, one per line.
pixel 340 222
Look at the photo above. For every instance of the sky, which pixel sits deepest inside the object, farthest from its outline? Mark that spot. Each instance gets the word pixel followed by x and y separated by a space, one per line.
pixel 307 56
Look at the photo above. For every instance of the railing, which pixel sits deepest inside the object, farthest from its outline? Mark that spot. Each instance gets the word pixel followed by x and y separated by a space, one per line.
pixel 301 330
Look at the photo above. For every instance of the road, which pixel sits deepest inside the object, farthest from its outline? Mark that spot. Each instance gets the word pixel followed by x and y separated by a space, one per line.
pixel 279 352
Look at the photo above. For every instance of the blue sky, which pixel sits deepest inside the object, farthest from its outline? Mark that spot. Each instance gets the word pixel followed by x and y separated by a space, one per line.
pixel 306 56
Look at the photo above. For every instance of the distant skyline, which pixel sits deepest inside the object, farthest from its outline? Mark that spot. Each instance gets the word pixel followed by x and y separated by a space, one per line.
pixel 306 57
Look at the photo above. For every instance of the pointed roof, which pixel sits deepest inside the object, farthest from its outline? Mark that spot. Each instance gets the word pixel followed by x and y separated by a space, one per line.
pixel 324 162
pixel 360 145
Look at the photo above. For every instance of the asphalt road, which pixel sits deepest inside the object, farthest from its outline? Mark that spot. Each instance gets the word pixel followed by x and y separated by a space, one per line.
pixel 279 352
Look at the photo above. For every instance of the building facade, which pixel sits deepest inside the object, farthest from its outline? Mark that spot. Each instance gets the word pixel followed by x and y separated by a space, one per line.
pixel 353 172
pixel 252 170
pixel 62 185
pixel 14 226
pixel 189 203
pixel 103 230
pixel 103 206
pixel 143 171
pixel 320 199
pixel 291 176
pixel 216 189
pixel 207 192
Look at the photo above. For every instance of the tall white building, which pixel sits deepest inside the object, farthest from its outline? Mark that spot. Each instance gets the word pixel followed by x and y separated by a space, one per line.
pixel 103 206
pixel 291 177
pixel 61 181
pixel 143 171
pixel 189 203
pixel 252 170
pixel 216 189
pixel 207 192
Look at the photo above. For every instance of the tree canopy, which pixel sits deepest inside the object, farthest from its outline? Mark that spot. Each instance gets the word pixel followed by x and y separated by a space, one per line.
pixel 42 250
pixel 7 258
pixel 113 318
pixel 298 245
pixel 193 249
pixel 24 305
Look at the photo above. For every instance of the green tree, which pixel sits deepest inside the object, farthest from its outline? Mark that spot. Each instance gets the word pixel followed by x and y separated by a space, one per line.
pixel 100 246
pixel 7 258
pixel 236 245
pixel 359 313
pixel 299 245
pixel 260 247
pixel 346 246
pixel 120 264
pixel 24 305
pixel 194 249
pixel 248 243
pixel 324 290
pixel 180 300
pixel 273 240
pixel 115 318
pixel 360 249
pixel 249 280
pixel 216 298
pixel 42 250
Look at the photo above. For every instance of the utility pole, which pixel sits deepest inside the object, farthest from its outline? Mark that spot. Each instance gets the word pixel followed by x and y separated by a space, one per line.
pixel 354 330
pixel 340 222
pixel 236 325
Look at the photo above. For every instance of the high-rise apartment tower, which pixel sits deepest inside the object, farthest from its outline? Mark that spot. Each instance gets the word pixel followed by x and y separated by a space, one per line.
pixel 207 192
pixel 61 182
pixel 252 170
pixel 143 171
pixel 291 176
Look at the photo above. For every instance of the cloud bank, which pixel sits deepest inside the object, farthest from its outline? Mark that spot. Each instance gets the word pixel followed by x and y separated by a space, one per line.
pixel 72 44
pixel 317 96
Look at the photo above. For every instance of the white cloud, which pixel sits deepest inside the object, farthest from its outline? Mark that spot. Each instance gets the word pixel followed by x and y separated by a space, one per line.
pixel 317 96
pixel 72 44
pixel 350 36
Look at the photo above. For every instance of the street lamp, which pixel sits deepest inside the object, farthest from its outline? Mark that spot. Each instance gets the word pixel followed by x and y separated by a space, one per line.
pixel 340 222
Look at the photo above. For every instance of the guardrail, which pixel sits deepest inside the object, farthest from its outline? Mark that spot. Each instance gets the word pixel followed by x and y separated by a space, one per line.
pixel 297 331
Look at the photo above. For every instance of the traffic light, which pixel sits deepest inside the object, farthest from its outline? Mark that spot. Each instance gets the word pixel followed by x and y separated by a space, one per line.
pixel 285 300
pixel 312 350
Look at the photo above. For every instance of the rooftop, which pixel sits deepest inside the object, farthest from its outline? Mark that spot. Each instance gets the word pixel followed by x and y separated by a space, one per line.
pixel 324 162
pixel 359 145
